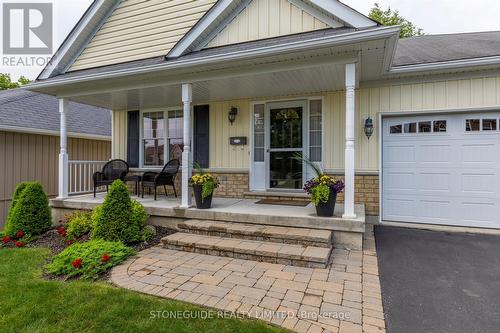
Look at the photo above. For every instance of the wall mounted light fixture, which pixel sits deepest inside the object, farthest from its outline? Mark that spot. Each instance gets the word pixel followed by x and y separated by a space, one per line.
pixel 231 116
pixel 368 127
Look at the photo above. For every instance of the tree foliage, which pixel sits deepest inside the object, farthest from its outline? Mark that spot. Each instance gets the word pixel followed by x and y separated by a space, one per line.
pixel 7 83
pixel 390 17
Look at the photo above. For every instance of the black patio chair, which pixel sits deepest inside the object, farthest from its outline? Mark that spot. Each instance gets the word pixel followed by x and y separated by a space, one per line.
pixel 111 171
pixel 164 178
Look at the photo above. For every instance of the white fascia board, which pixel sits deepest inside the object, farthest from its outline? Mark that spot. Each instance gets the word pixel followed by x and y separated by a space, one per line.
pixel 201 27
pixel 350 37
pixel 444 65
pixel 38 131
pixel 79 37
pixel 344 13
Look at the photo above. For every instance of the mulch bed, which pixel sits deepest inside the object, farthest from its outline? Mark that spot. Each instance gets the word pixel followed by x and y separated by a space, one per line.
pixel 53 241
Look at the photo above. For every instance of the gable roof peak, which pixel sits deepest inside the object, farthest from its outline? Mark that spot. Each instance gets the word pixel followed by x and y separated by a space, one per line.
pixel 224 11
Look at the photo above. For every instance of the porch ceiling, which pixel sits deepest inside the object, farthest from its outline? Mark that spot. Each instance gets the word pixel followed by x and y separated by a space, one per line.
pixel 299 81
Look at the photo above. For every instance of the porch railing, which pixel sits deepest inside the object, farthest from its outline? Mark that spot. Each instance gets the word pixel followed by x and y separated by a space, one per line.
pixel 80 174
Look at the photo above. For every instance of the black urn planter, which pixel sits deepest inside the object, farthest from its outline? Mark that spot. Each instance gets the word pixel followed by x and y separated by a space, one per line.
pixel 201 203
pixel 326 209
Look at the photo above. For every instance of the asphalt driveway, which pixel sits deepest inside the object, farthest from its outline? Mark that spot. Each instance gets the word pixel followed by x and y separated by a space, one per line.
pixel 439 282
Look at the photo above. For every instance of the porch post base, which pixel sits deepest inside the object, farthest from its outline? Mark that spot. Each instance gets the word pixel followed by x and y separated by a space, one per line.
pixel 186 201
pixel 63 176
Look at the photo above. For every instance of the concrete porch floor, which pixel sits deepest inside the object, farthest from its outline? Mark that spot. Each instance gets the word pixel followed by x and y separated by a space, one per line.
pixel 167 211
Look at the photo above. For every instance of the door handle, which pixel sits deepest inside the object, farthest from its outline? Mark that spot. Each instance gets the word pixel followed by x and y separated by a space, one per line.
pixel 267 150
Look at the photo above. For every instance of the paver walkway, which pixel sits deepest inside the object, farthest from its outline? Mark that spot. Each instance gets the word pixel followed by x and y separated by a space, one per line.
pixel 342 298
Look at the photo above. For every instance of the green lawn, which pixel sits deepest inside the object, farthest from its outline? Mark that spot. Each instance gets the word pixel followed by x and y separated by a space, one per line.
pixel 29 303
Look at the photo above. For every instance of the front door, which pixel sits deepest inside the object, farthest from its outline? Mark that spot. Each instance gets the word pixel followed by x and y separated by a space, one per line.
pixel 285 140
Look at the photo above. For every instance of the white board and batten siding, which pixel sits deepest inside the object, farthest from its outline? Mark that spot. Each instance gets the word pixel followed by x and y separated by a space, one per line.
pixel 449 175
pixel 267 18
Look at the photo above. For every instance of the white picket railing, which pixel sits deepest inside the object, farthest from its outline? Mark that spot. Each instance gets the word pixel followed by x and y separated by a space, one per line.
pixel 80 175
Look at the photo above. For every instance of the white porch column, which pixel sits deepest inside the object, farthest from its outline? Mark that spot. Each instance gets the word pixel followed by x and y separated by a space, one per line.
pixel 350 140
pixel 187 97
pixel 63 153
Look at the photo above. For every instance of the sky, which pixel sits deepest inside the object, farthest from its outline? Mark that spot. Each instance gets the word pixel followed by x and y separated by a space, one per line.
pixel 433 16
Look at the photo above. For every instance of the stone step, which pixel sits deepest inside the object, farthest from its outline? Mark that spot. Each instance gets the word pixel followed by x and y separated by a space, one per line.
pixel 280 253
pixel 302 236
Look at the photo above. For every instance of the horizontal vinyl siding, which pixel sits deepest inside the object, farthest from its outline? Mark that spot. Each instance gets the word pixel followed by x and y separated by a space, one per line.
pixel 265 19
pixel 29 157
pixel 140 29
pixel 439 95
pixel 120 134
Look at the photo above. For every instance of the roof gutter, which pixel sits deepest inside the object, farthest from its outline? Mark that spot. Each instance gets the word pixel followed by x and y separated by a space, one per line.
pixel 351 37
pixel 39 131
pixel 443 65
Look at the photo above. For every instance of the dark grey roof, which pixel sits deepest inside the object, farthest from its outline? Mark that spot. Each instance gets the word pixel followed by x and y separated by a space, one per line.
pixel 438 48
pixel 281 40
pixel 23 108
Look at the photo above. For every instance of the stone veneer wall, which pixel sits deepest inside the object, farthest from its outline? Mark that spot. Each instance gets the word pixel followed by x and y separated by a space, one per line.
pixel 365 192
pixel 234 185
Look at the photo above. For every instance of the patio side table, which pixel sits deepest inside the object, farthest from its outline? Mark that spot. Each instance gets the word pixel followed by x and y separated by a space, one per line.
pixel 137 180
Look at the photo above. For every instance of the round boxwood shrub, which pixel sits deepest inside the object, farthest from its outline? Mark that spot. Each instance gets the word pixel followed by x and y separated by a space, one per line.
pixel 119 218
pixel 30 211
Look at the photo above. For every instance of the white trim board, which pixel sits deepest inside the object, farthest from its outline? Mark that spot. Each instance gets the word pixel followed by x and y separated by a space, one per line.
pixel 79 37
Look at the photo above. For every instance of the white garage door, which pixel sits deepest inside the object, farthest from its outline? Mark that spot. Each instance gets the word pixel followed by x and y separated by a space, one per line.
pixel 442 169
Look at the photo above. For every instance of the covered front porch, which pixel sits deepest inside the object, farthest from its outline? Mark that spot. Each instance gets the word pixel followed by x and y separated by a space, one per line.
pixel 292 74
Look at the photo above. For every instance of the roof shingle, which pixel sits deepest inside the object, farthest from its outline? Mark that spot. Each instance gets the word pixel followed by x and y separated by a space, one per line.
pixel 24 108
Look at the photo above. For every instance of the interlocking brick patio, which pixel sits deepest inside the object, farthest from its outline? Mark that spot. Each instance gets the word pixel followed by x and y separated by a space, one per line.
pixel 342 298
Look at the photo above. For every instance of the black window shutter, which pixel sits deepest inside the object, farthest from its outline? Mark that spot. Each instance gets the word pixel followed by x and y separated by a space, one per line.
pixel 133 139
pixel 201 135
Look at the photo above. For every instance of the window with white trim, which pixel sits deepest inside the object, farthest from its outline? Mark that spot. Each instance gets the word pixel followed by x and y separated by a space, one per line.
pixel 258 132
pixel 315 130
pixel 162 137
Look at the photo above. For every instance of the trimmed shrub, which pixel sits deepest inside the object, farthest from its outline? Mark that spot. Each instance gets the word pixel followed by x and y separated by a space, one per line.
pixel 30 211
pixel 15 198
pixel 119 218
pixel 89 259
pixel 79 223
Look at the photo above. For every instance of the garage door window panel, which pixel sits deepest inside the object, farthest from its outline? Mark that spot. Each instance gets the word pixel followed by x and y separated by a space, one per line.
pixel 424 127
pixel 411 128
pixel 472 125
pixel 396 129
pixel 489 124
pixel 440 126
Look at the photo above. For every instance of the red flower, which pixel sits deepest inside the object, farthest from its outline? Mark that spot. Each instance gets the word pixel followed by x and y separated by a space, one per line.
pixel 69 241
pixel 5 239
pixel 77 263
pixel 105 257
pixel 61 231
pixel 19 244
pixel 19 234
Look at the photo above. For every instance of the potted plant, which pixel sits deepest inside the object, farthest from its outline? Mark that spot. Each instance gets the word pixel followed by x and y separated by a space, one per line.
pixel 204 185
pixel 323 189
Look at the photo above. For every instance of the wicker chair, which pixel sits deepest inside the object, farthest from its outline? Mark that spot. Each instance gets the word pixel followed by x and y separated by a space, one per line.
pixel 111 171
pixel 163 178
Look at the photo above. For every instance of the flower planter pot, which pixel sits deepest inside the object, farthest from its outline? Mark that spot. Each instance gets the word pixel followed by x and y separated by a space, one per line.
pixel 326 209
pixel 201 203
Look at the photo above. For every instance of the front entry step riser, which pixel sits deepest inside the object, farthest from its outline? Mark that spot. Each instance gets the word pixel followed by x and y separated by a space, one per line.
pixel 265 251
pixel 258 238
pixel 284 235
pixel 235 255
